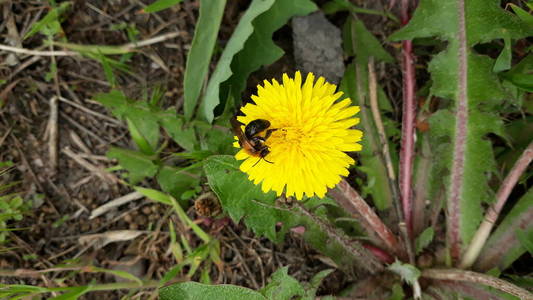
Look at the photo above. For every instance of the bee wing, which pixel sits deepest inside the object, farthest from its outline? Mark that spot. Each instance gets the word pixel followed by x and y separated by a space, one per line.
pixel 236 125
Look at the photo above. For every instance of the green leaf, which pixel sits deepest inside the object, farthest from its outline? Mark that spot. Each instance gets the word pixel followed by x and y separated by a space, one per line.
pixel 73 293
pixel 482 28
pixel 160 5
pixel 282 286
pixel 115 100
pixel 504 246
pixel 425 185
pixel 242 199
pixel 50 23
pixel 315 283
pixel 5 187
pixel 4 164
pixel 197 291
pixel 199 57
pixel 238 195
pixel 139 139
pixel 197 258
pixel 195 155
pixel 503 62
pixel 526 239
pixel 524 281
pixel 518 133
pixel 259 49
pixel 108 69
pixel 397 293
pixel 407 272
pixel 144 129
pixel 521 75
pixel 169 200
pixel 22 288
pixel 177 181
pixel 424 239
pixel 155 195
pixel 182 134
pixel 216 140
pixel 458 132
pixel 50 74
pixel 235 44
pixel 522 14
pixel 360 42
pixel 204 275
pixel 334 6
pixel 138 165
pixel 119 273
pixel 371 164
pixel 529 4
pixel 142 118
pixel 173 272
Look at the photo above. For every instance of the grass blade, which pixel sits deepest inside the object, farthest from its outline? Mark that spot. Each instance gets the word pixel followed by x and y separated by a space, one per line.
pixel 235 44
pixel 160 5
pixel 199 57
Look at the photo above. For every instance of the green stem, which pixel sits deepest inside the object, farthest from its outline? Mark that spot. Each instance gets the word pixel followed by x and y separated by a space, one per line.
pixel 185 219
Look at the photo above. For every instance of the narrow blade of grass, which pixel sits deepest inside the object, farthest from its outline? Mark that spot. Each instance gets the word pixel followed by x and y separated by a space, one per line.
pixel 161 4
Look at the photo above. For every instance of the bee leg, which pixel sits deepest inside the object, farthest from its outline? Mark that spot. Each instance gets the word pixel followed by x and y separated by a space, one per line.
pixel 262 158
pixel 269 132
pixel 268 161
pixel 257 162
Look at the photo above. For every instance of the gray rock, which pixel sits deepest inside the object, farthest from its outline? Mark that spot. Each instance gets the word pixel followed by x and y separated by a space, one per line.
pixel 317 46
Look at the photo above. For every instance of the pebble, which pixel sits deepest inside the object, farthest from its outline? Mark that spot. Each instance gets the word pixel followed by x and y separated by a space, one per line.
pixel 128 218
pixel 146 210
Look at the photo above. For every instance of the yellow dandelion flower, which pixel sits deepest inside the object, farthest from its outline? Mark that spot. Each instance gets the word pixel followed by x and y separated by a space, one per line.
pixel 312 133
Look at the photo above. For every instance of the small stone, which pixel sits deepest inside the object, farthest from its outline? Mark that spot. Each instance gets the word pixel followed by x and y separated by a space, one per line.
pixel 11 60
pixel 146 210
pixel 38 162
pixel 128 218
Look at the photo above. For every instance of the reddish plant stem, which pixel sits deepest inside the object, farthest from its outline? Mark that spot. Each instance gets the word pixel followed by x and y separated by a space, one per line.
pixel 510 181
pixel 479 278
pixel 352 202
pixel 408 125
pixel 408 131
pixel 494 210
pixel 466 289
pixel 374 107
pixel 455 188
pixel 381 254
pixel 495 252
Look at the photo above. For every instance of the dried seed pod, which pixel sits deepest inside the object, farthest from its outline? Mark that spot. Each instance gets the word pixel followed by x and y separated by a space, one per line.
pixel 207 205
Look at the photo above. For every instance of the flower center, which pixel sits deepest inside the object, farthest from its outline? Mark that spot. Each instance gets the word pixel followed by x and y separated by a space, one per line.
pixel 286 135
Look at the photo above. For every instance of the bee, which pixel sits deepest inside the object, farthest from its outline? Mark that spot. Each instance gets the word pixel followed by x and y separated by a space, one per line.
pixel 251 140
